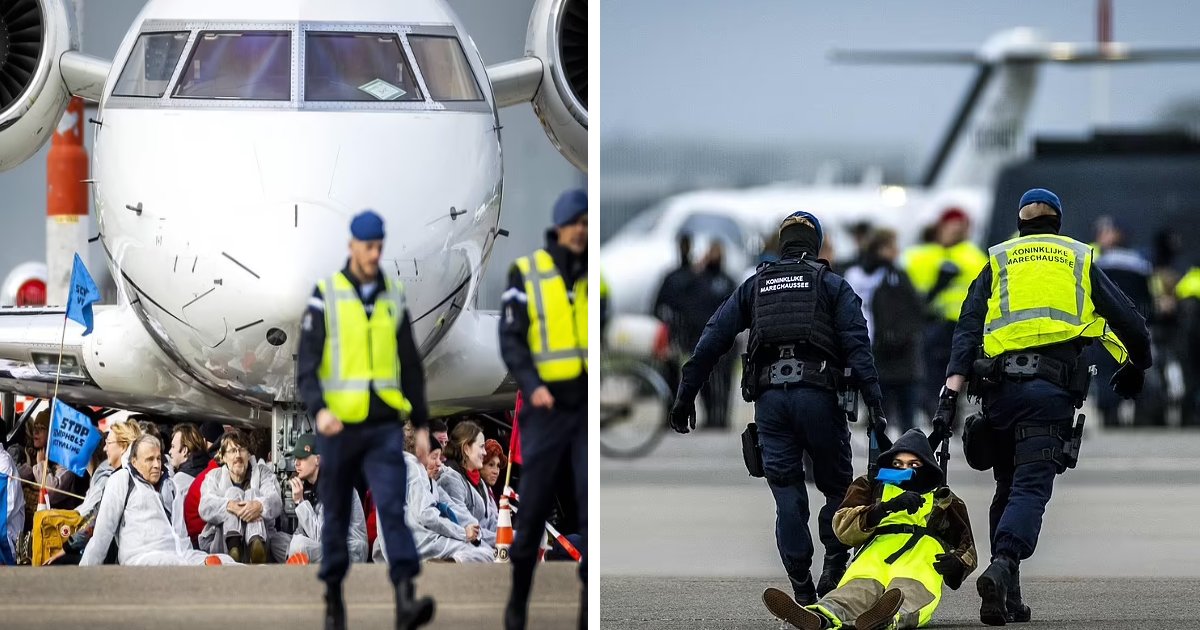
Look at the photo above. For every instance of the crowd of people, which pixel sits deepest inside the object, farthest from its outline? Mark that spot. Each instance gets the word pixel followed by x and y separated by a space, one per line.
pixel 208 494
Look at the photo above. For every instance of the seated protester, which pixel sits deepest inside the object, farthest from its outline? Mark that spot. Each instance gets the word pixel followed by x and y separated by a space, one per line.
pixel 493 462
pixel 439 433
pixel 189 457
pixel 116 443
pixel 305 546
pixel 239 502
pixel 461 478
pixel 213 433
pixel 439 532
pixel 13 505
pixel 897 575
pixel 135 511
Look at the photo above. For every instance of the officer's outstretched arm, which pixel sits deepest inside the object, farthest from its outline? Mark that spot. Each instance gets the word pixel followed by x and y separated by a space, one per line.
pixel 722 329
pixel 1118 310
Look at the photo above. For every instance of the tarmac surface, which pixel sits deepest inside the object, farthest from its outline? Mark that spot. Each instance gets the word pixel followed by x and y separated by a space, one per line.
pixel 266 597
pixel 687 538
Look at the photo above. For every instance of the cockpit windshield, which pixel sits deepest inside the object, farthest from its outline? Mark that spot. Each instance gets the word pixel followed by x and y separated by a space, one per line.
pixel 151 64
pixel 342 66
pixel 445 68
pixel 251 65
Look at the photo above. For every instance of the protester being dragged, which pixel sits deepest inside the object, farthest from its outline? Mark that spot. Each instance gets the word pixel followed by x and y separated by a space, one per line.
pixel 462 481
pixel 135 512
pixel 305 546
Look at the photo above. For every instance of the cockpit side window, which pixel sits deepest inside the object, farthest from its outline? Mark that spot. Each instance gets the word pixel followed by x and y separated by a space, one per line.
pixel 248 65
pixel 444 67
pixel 150 65
pixel 340 66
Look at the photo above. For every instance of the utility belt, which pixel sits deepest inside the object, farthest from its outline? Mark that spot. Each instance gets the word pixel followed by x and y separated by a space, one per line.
pixel 784 372
pixel 916 533
pixel 1073 376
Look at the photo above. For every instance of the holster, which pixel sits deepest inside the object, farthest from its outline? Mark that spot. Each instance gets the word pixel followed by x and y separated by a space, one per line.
pixel 984 377
pixel 979 438
pixel 752 451
pixel 750 389
pixel 1064 456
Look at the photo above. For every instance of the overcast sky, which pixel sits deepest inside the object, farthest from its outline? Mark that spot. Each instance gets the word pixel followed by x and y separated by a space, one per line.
pixel 758 69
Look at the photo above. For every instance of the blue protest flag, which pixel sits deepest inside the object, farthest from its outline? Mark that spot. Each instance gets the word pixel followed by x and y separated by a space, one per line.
pixel 83 294
pixel 73 439
pixel 7 557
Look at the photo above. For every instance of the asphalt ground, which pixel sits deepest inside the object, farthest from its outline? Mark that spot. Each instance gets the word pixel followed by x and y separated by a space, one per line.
pixel 267 597
pixel 687 538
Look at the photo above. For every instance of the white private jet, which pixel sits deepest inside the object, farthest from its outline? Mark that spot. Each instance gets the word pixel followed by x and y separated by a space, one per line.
pixel 986 134
pixel 235 141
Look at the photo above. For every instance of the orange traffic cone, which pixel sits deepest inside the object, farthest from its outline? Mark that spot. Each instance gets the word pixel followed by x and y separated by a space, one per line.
pixel 212 561
pixel 43 500
pixel 299 557
pixel 504 530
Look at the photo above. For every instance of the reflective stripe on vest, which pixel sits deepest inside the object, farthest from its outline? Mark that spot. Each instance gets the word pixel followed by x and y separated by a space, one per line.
pixel 360 354
pixel 557 319
pixel 1041 295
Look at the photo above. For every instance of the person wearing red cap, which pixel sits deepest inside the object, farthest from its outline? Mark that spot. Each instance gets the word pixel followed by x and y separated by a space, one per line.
pixel 942 270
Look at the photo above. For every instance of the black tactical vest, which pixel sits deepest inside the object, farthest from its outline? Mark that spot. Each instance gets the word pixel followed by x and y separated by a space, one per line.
pixel 790 307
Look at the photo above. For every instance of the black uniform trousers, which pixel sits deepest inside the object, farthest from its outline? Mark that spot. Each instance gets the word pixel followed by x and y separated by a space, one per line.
pixel 791 422
pixel 552 442
pixel 1022 492
pixel 377 450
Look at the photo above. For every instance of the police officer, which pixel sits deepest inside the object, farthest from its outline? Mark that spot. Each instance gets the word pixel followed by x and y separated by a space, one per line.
pixel 1032 309
pixel 543 339
pixel 360 376
pixel 805 324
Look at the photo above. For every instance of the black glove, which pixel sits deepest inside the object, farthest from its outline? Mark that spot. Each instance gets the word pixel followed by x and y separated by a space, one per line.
pixel 908 502
pixel 876 412
pixel 683 414
pixel 947 411
pixel 949 566
pixel 1128 381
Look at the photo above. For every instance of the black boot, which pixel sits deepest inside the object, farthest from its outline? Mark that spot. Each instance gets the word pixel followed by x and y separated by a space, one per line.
pixel 1018 612
pixel 518 598
pixel 806 593
pixel 335 608
pixel 832 572
pixel 410 611
pixel 993 588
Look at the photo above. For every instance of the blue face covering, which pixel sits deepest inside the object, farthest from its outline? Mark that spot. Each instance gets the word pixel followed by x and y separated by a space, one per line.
pixel 894 476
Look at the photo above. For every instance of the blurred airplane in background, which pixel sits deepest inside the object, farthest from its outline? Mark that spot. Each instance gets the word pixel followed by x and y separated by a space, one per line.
pixel 986 134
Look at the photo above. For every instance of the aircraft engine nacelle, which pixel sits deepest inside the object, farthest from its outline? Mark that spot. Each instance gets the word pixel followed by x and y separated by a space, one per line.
pixel 33 95
pixel 558 36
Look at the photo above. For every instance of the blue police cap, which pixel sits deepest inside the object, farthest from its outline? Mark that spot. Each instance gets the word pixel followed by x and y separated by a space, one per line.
pixel 367 226
pixel 570 206
pixel 1041 195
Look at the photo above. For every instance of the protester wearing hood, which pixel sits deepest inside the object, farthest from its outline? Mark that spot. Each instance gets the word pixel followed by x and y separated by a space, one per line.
pixel 893 311
pixel 240 501
pixel 135 511
pixel 806 325
pixel 913 535
pixel 1033 309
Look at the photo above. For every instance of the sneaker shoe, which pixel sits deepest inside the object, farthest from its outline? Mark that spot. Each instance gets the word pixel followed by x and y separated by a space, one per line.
pixel 882 614
pixel 786 609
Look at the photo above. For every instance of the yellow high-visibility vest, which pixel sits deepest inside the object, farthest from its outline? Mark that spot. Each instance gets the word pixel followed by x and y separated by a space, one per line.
pixel 360 353
pixel 558 325
pixel 923 262
pixel 1189 285
pixel 1041 294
